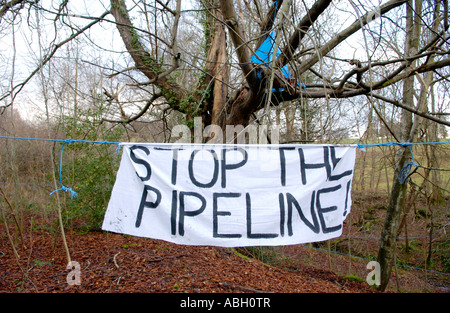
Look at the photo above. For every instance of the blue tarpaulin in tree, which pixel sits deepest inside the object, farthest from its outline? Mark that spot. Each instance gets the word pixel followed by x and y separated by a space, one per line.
pixel 264 54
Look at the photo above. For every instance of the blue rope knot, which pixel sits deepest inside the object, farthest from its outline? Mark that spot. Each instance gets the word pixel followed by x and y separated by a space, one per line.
pixel 64 188
pixel 404 173
pixel 360 146
pixel 70 141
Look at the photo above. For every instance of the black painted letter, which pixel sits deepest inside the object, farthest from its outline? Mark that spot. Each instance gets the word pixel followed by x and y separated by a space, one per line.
pixel 216 213
pixel 226 166
pixel 249 222
pixel 335 161
pixel 314 226
pixel 283 164
pixel 321 210
pixel 141 161
pixel 184 213
pixel 215 173
pixel 304 166
pixel 147 204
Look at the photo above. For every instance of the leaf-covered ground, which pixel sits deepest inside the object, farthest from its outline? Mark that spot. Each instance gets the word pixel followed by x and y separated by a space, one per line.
pixel 112 263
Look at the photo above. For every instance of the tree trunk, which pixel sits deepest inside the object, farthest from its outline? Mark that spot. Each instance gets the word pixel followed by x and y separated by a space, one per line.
pixel 432 131
pixel 386 254
pixel 388 236
pixel 214 84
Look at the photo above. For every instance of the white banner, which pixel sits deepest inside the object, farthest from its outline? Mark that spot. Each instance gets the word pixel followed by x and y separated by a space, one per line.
pixel 232 195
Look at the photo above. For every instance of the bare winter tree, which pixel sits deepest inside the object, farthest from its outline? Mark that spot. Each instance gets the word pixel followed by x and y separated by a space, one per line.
pixel 213 98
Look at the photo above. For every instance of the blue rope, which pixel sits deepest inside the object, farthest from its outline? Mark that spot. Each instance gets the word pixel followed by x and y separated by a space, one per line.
pixel 63 187
pixel 402 144
pixel 65 141
pixel 403 176
pixel 405 171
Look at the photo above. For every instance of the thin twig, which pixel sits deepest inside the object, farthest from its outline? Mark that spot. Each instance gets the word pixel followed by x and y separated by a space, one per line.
pixel 114 259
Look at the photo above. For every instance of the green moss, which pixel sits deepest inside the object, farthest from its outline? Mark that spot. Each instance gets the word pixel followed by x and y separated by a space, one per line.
pixel 354 278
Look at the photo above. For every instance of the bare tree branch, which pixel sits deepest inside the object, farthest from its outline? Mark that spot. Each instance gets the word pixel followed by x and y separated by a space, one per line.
pixel 242 49
pixel 144 61
pixel 269 20
pixel 138 115
pixel 412 110
pixel 340 37
pixel 16 89
pixel 307 21
pixel 8 5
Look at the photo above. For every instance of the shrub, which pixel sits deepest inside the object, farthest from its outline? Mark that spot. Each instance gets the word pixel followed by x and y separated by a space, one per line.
pixel 90 170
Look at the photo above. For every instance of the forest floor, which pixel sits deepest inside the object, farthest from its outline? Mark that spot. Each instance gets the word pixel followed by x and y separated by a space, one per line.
pixel 119 263
pixel 114 263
